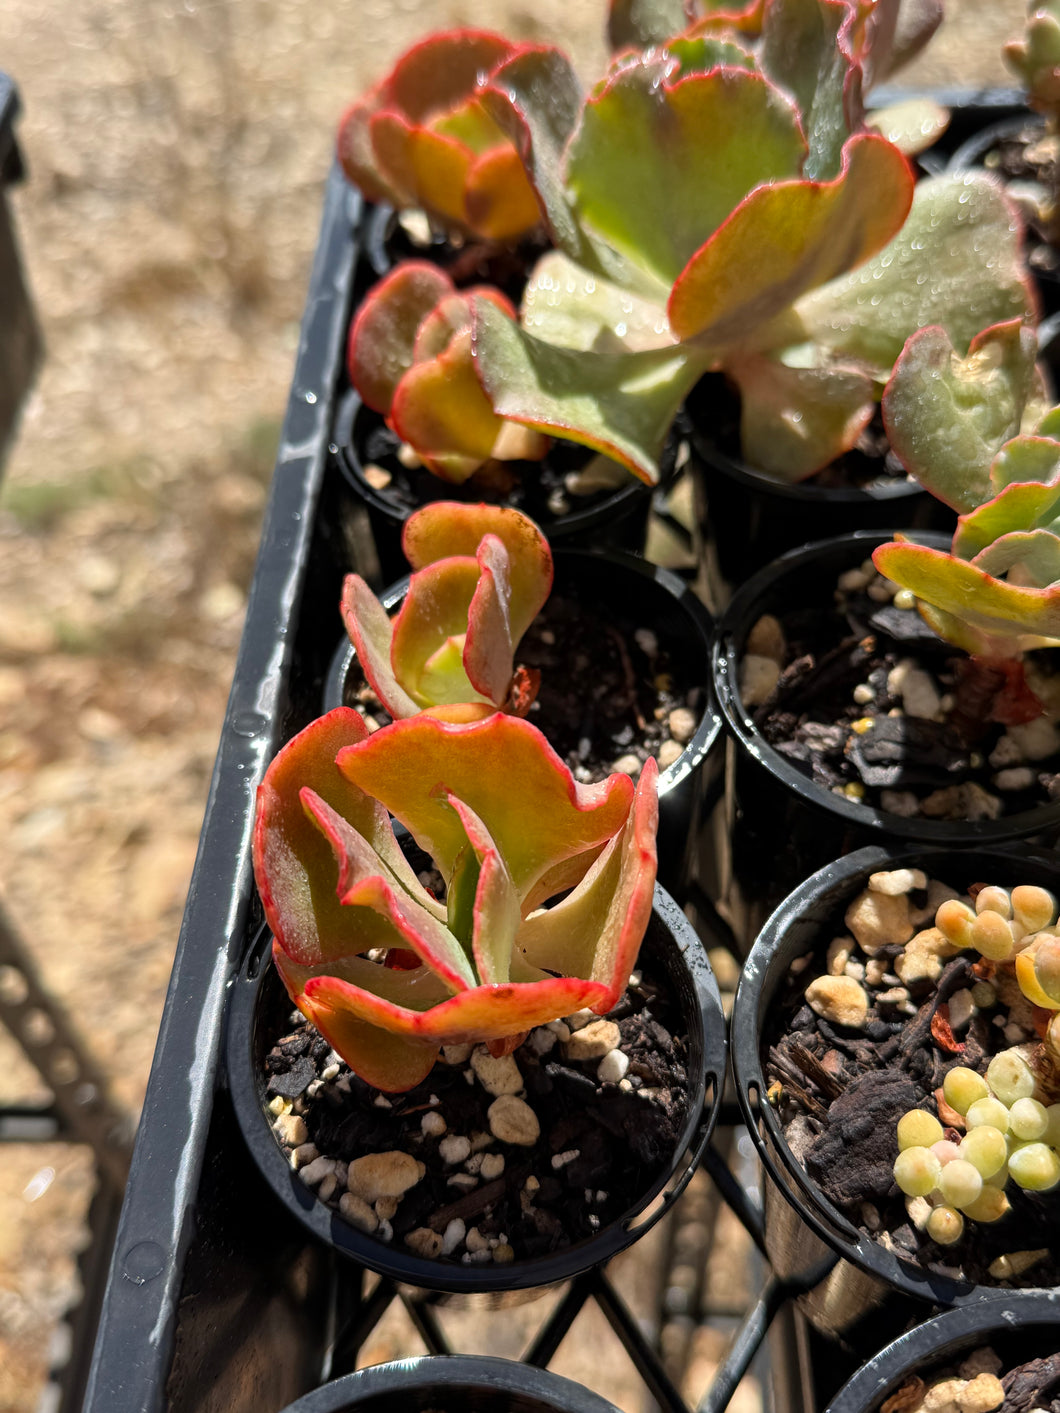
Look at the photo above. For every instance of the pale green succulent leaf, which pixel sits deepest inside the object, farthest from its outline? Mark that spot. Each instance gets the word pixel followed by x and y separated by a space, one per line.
pixel 801 51
pixel 622 404
pixel 698 54
pixel 947 416
pixel 955 262
pixel 1034 554
pixel 637 24
pixel 1022 505
pixel 913 125
pixel 566 305
pixel 1025 459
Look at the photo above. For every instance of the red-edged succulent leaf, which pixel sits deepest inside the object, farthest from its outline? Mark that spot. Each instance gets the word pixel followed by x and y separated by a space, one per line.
pixel 969 608
pixel 367 888
pixel 745 16
pixel 1025 458
pixel 1035 552
pixel 499 202
pixel 429 631
pixel 355 154
pixel 644 179
pixel 446 528
pixel 383 335
pixel 597 929
pixel 369 627
pixel 495 913
pixel 1024 504
pixel 895 43
pixel 504 770
pixel 947 416
pixel 956 262
pixel 621 404
pixel 788 238
pixel 439 72
pixel 439 408
pixel 489 644
pixel 293 860
pixel 793 421
pixel 427 163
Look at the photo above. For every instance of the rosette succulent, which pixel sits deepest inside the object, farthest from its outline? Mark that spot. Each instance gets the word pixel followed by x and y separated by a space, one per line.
pixel 387 971
pixel 481 574
pixel 409 357
pixel 422 138
pixel 718 206
pixel 979 434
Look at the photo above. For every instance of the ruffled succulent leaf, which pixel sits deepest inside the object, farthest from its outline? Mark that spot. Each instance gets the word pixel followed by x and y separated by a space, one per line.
pixel 744 16
pixel 621 404
pixel 489 642
pixel 795 420
pixel 698 54
pixel 636 24
pixel 571 307
pixel 293 861
pixel 501 768
pixel 955 262
pixel 429 630
pixel 439 408
pixel 913 124
pixel 806 49
pixel 947 416
pixel 1035 553
pixel 383 336
pixel 1025 458
pixel 425 162
pixel 374 895
pixel 788 238
pixel 371 632
pixel 597 929
pixel 1022 505
pixel 495 915
pixel 447 528
pixel 499 202
pixel 641 175
pixel 436 74
pixel 1035 58
pixel 357 157
pixel 970 608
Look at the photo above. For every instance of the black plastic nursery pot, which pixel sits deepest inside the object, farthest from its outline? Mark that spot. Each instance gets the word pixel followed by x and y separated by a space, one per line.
pixel 616 518
pixel 257 1012
pixel 779 824
pixel 630 592
pixel 1028 1327
pixel 856 1288
pixel 452 1383
pixel 20 343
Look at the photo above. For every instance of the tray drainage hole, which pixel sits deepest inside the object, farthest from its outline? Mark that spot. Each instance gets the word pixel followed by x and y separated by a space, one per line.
pixel 14 988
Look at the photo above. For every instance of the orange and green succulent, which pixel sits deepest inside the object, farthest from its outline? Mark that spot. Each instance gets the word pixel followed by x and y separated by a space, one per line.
pixel 481 574
pixel 979 434
pixel 421 138
pixel 387 971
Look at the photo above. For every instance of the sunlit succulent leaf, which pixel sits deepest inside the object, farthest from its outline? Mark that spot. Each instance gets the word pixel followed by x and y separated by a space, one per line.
pixel 1035 553
pixel 440 409
pixel 1022 505
pixel 806 49
pixel 571 307
pixel 429 631
pixel 383 335
pixel 368 625
pixel 913 124
pixel 495 913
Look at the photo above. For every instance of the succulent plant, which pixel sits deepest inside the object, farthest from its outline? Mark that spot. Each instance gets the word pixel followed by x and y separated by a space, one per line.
pixel 1035 57
pixel 718 207
pixel 1010 1114
pixel 387 971
pixel 481 574
pixel 977 432
pixel 422 138
pixel 409 357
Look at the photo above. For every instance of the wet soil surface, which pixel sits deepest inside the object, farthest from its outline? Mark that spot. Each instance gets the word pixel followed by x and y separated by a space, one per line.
pixel 841 1091
pixel 846 711
pixel 601 1142
pixel 610 694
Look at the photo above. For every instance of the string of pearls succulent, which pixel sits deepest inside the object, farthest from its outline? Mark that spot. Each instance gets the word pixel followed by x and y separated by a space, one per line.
pixel 1009 1132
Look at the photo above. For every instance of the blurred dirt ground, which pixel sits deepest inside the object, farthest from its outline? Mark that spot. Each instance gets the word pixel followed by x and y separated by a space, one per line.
pixel 176 155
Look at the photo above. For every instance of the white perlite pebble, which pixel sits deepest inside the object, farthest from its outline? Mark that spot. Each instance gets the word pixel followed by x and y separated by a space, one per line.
pixel 358 1213
pixel 316 1171
pixel 577 1019
pixel 682 724
pixel 291 1129
pixel 560 1029
pixel 454 1149
pixel 560 1160
pixel 920 696
pixel 593 1041
pixel 897 881
pixel 852 581
pixel 464 1182
pixel 627 765
pixel 758 677
pixel 456 1054
pixel 433 1125
pixel 1036 739
pixel 1020 777
pixel 303 1155
pixel 475 1241
pixel 646 640
pixel 878 920
pixel 612 1068
pixel 453 1236
pixel 492 1166
pixel 541 1040
pixel 384 1175
pixel 513 1121
pixel 497 1075
pixel 668 753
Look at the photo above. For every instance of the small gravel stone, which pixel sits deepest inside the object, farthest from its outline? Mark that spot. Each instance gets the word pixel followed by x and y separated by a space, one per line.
pixel 358 1213
pixel 612 1067
pixel 864 693
pixel 1036 739
pixel 452 1236
pixel 766 639
pixel 386 1208
pixel 433 1124
pixel 463 1182
pixel 511 1120
pixel 920 696
pixel 291 1129
pixel 628 765
pixel 456 1054
pixel 962 1009
pixel 316 1171
pixel 966 801
pixel 541 1040
pixel 839 950
pixel 646 640
pixel 668 753
pixel 878 920
pixel 903 803
pixel 852 581
pixel 497 1074
pixel 1018 778
pixel 682 724
pixel 492 1166
pixel 897 881
pixel 424 1242
pixel 389 1174
pixel 560 1160
pixel 454 1149
pixel 303 1155
pixel 503 1254
pixel 560 1029
pixel 593 1041
pixel 758 677
pixel 577 1019
pixel 475 1241
pixel 839 999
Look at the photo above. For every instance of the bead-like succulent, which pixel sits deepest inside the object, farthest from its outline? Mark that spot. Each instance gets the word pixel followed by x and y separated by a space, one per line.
pixel 720 206
pixel 387 971
pixel 979 435
pixel 409 357
pixel 481 574
pixel 421 138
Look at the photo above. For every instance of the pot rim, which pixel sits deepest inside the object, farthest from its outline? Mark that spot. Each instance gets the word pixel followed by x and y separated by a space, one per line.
pixel 769 951
pixel 428 1371
pixel 731 632
pixel 704 1013
pixel 935 1339
pixel 616 505
pixel 696 613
